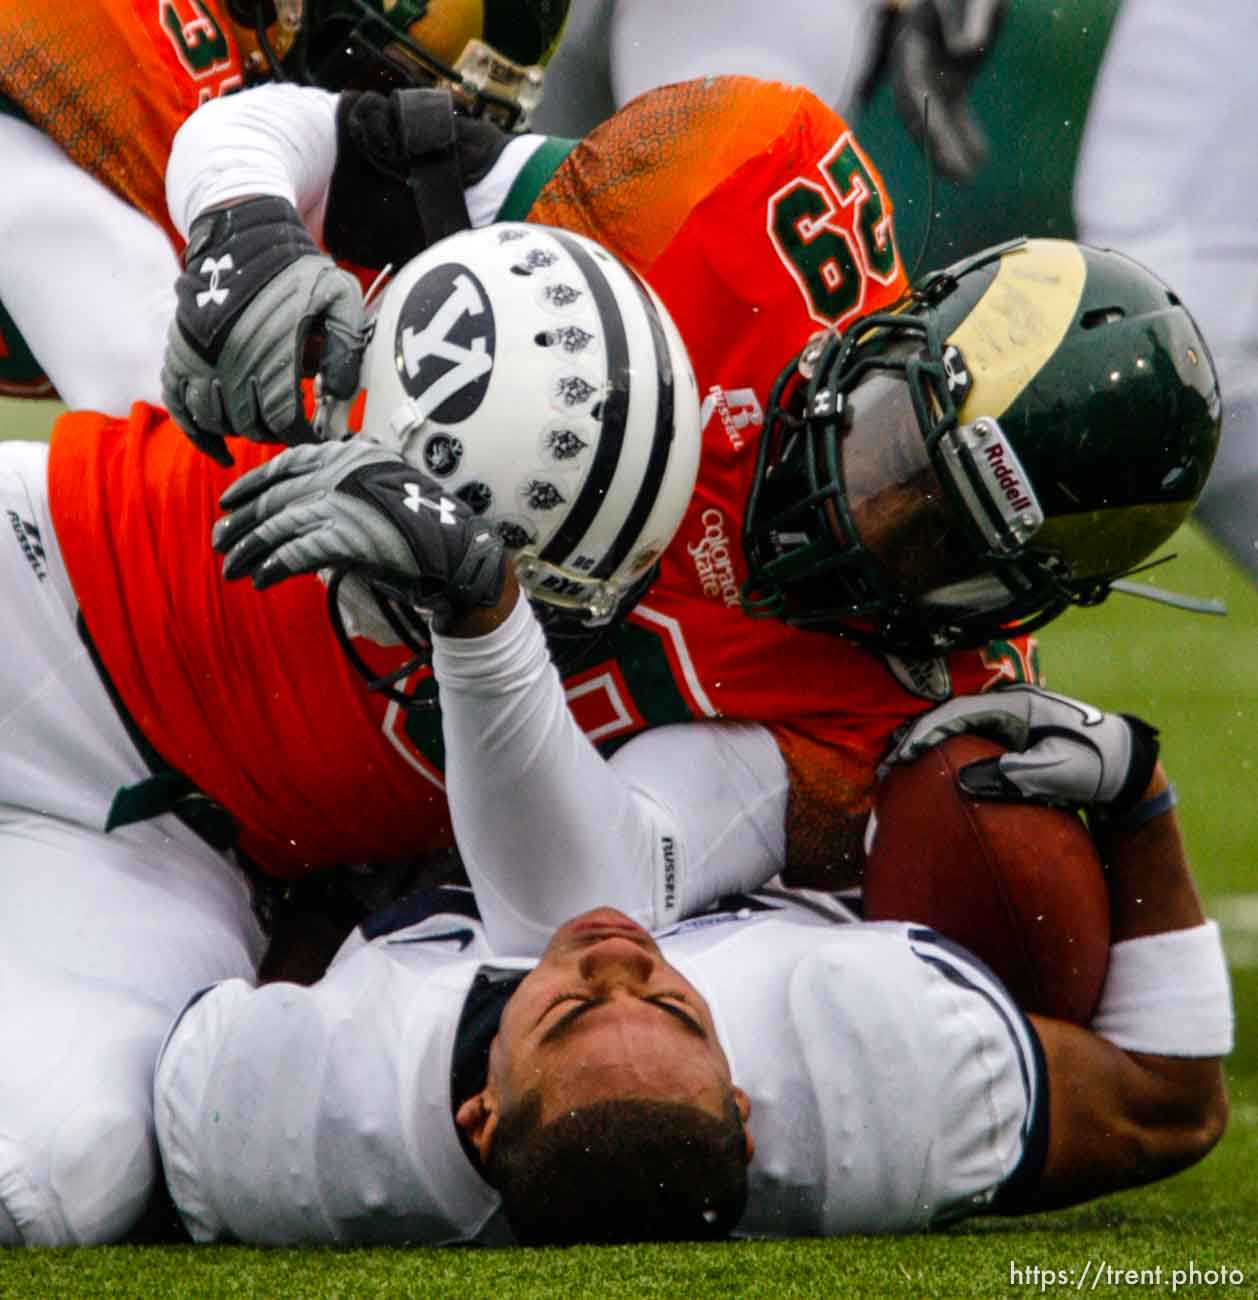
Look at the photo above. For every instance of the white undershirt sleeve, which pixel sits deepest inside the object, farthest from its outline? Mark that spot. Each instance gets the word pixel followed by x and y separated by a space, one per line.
pixel 548 828
pixel 278 139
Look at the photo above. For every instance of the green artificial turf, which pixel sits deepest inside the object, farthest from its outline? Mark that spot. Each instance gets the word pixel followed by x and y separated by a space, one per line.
pixel 27 419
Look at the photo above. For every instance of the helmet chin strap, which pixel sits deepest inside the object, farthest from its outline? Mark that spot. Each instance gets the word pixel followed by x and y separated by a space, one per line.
pixel 1193 604
pixel 986 593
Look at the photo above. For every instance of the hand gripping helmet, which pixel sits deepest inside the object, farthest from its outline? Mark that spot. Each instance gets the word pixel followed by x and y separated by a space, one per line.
pixel 489 52
pixel 1024 430
pixel 541 382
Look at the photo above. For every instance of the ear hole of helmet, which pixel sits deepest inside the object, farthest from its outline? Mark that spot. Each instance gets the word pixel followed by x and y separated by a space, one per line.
pixel 1099 316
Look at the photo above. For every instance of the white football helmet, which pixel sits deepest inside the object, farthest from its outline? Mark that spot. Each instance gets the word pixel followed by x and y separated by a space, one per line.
pixel 544 384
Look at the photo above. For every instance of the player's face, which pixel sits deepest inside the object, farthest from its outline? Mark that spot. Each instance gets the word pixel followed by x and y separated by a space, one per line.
pixel 899 510
pixel 604 1016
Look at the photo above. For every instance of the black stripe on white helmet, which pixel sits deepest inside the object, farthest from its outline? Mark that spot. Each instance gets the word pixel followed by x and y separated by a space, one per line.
pixel 544 384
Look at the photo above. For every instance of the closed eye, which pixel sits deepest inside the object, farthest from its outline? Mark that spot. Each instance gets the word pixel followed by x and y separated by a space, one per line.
pixel 559 1026
pixel 672 1004
pixel 676 1006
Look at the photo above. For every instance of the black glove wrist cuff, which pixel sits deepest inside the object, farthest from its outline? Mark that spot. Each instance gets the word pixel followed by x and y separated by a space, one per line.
pixel 232 253
pixel 1134 818
pixel 459 559
pixel 219 226
pixel 1144 757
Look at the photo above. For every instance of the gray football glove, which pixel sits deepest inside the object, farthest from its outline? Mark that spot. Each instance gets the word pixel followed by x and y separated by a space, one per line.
pixel 254 289
pixel 935 48
pixel 1062 750
pixel 358 506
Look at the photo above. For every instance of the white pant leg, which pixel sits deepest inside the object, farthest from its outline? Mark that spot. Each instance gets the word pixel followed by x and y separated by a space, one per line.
pixel 102 937
pixel 1168 173
pixel 88 280
pixel 824 46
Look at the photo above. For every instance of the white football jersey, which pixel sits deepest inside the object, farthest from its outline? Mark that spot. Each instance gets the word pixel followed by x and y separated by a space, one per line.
pixel 893 1082
pixel 322 1114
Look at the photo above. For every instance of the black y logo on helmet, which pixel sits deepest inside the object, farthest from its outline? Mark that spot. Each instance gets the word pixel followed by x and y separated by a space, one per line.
pixel 444 343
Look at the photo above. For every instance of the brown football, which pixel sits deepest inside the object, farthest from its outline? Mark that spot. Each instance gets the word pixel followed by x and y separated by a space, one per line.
pixel 1018 884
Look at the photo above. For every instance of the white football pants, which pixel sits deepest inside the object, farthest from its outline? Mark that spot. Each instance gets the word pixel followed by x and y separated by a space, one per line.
pixel 103 938
pixel 88 280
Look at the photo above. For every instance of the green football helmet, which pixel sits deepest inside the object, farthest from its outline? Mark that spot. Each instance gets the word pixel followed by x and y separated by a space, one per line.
pixel 1025 429
pixel 490 52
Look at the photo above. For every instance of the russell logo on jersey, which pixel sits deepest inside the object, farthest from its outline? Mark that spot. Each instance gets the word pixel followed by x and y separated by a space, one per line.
pixel 738 408
pixel 29 540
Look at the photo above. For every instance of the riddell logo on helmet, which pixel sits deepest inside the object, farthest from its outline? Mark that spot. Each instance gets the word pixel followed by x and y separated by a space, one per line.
pixel 1007 477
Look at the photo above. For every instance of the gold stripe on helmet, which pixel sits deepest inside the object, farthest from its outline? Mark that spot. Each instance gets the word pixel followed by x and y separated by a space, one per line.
pixel 446 28
pixel 1019 323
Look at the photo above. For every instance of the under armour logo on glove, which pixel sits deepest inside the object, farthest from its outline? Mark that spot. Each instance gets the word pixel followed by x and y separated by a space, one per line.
pixel 213 266
pixel 356 505
pixel 256 290
pixel 415 498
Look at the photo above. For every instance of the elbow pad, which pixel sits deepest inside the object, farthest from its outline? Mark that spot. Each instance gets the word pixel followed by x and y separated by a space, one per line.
pixel 403 162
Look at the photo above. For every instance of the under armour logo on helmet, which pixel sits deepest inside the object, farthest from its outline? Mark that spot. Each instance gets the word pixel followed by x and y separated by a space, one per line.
pixel 415 498
pixel 214 267
pixel 956 371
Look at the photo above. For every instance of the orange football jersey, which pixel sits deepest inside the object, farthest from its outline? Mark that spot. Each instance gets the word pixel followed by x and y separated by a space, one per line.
pixel 755 215
pixel 111 82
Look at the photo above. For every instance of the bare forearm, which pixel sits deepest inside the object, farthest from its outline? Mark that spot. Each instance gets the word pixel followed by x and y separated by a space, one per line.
pixel 1120 1117
pixel 481 620
pixel 1151 886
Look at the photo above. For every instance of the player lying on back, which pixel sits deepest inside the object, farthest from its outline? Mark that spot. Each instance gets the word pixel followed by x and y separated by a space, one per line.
pixel 90 98
pixel 168 726
pixel 129 659
pixel 545 825
pixel 840 1076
